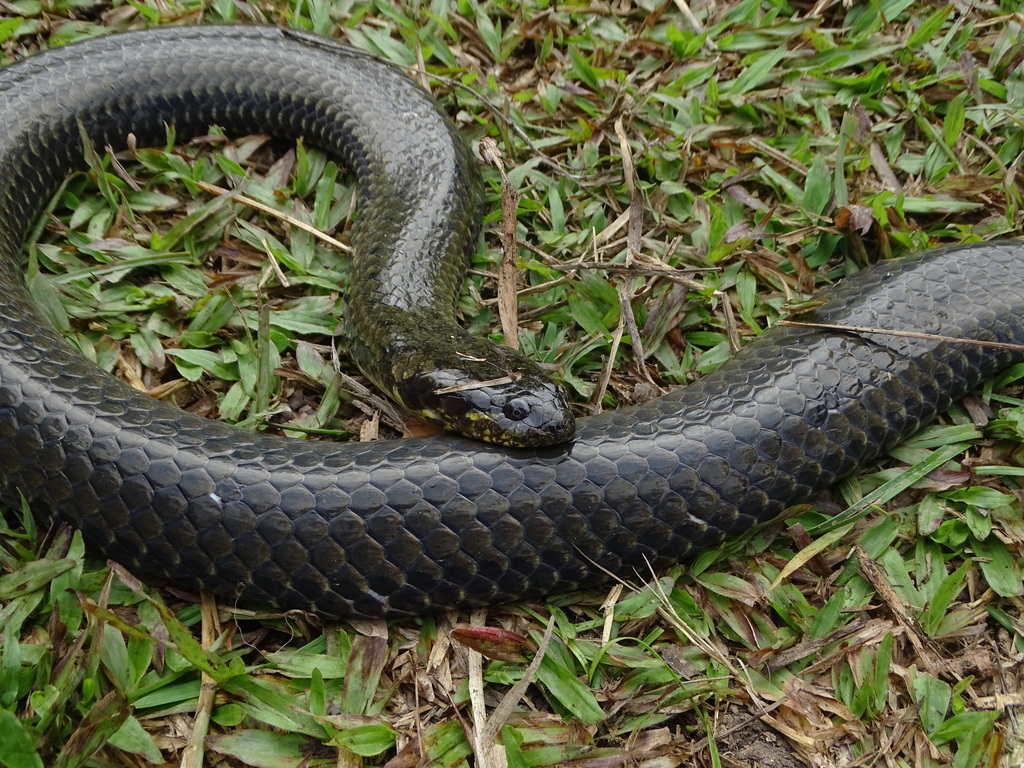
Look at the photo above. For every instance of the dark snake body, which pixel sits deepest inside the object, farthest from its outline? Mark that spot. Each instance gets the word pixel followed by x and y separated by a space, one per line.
pixel 398 527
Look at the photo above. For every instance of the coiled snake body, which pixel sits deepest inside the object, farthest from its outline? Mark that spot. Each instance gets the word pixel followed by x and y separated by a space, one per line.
pixel 398 527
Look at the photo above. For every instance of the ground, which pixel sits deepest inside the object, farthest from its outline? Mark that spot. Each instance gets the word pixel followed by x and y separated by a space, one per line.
pixel 680 175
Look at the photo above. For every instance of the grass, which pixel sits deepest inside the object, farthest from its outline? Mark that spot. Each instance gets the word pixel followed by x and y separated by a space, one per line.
pixel 770 150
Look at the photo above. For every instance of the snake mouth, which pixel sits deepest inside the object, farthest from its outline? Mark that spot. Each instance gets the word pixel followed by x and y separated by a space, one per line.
pixel 520 409
pixel 505 415
pixel 534 419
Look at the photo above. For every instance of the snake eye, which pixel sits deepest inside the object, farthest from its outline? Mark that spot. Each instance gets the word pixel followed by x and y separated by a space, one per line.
pixel 516 409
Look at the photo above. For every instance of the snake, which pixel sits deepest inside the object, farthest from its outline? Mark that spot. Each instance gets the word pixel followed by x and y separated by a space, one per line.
pixel 410 526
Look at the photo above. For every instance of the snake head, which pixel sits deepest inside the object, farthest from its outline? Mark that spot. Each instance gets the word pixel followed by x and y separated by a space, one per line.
pixel 502 398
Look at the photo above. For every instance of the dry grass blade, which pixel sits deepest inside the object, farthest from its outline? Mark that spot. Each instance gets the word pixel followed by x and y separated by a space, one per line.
pixel 508 273
pixel 258 206
pixel 906 335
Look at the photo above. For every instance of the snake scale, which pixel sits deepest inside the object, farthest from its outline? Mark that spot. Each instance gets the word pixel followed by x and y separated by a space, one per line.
pixel 407 526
